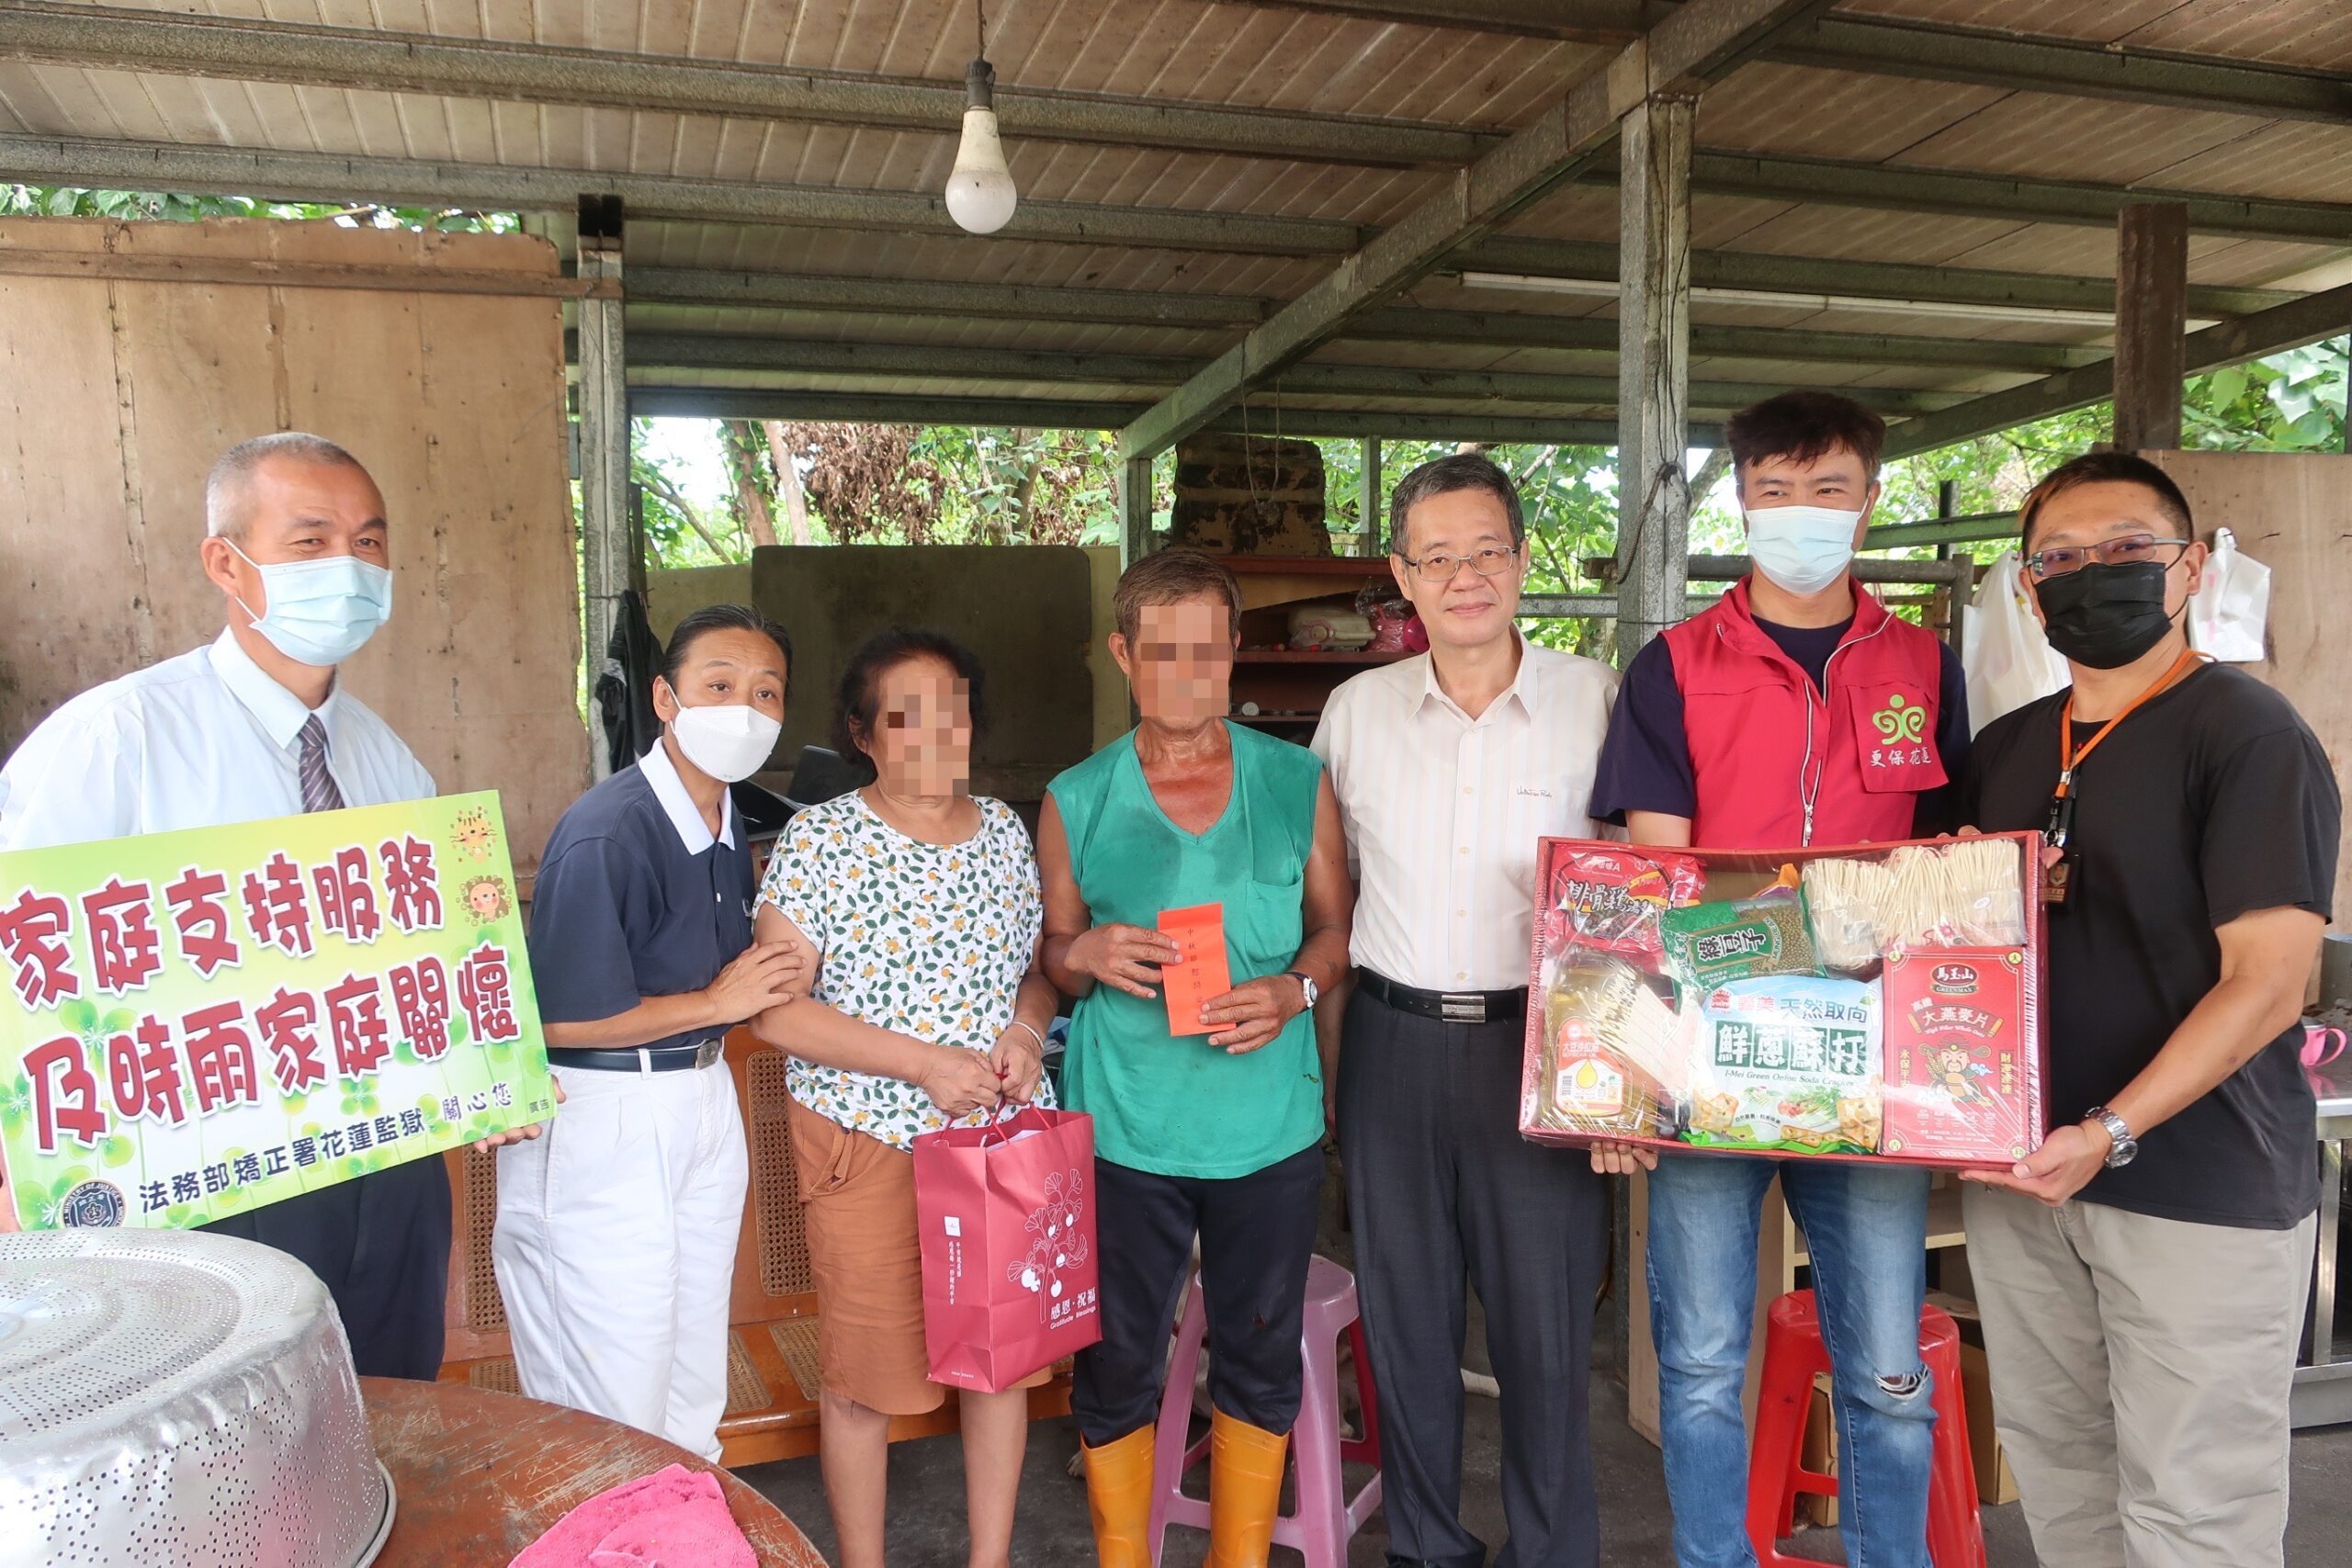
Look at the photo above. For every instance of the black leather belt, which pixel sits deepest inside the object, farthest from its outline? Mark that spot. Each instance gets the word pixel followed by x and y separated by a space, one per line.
pixel 668 1059
pixel 1448 1006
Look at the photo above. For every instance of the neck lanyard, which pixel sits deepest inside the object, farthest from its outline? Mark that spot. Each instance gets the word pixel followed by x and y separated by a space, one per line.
pixel 2062 801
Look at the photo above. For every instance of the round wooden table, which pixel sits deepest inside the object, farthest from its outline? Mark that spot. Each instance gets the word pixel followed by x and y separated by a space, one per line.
pixel 481 1476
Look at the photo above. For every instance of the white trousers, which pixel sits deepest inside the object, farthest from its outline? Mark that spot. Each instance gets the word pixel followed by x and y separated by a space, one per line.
pixel 615 1249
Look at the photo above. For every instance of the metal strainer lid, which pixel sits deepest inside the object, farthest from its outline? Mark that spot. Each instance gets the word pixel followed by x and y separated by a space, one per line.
pixel 169 1397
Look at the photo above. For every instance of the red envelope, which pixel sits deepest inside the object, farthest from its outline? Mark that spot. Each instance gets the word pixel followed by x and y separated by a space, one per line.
pixel 1201 976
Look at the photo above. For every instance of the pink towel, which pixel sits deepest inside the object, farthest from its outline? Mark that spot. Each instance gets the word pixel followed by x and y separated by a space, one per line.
pixel 673 1518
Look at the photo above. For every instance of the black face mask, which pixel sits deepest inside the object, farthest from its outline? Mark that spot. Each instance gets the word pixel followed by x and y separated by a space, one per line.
pixel 2105 617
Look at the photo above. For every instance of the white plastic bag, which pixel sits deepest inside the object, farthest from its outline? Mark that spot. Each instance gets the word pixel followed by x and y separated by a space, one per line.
pixel 2007 658
pixel 2233 605
pixel 2005 654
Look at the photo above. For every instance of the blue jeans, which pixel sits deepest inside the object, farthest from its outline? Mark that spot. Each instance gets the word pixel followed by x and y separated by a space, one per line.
pixel 1866 1227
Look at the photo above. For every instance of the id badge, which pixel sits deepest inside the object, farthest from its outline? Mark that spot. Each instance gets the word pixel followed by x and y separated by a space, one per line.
pixel 2058 881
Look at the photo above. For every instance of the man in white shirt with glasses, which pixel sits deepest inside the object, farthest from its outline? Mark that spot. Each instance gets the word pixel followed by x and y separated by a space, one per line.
pixel 1449 766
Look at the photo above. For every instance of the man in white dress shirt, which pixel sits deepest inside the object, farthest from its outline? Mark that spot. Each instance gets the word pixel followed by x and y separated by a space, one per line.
pixel 253 726
pixel 1448 768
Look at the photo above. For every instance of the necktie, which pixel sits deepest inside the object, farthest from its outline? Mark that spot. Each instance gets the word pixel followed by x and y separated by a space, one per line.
pixel 318 791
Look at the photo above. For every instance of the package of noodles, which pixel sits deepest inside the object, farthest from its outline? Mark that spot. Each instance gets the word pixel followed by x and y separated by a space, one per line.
pixel 1741 939
pixel 1609 897
pixel 1787 1061
pixel 1612 1061
pixel 1960 893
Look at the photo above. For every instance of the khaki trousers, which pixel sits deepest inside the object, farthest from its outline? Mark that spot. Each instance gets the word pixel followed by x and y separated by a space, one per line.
pixel 2141 1369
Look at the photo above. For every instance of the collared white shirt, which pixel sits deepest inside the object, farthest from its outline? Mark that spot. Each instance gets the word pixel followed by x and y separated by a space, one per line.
pixel 199 740
pixel 683 814
pixel 1443 811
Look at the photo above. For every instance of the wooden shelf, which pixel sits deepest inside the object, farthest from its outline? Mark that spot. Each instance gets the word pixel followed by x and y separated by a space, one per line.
pixel 1306 566
pixel 1294 656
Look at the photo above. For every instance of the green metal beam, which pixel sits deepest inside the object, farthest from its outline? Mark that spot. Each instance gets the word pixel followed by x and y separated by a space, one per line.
pixel 736 402
pixel 1798 275
pixel 139 165
pixel 236 49
pixel 1702 40
pixel 1911 187
pixel 1573 21
pixel 2308 320
pixel 115 164
pixel 1598 333
pixel 1971 530
pixel 655 350
pixel 1933 51
pixel 1987 57
pixel 685 286
pixel 891 296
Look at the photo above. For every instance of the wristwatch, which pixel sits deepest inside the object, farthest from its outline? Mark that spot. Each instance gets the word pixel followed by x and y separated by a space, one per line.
pixel 1306 984
pixel 2127 1147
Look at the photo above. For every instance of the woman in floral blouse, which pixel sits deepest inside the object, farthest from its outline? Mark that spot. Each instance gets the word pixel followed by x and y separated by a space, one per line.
pixel 916 905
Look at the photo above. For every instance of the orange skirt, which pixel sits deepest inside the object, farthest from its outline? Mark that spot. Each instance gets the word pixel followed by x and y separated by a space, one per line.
pixel 866 1259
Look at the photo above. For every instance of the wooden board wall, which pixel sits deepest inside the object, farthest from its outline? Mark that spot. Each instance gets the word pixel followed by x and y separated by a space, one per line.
pixel 117 393
pixel 2292 512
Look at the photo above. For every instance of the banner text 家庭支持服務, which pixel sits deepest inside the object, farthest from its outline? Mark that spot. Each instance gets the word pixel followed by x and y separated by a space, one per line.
pixel 201 1022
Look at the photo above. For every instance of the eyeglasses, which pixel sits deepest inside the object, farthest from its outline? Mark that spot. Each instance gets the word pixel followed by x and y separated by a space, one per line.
pixel 2129 548
pixel 1492 561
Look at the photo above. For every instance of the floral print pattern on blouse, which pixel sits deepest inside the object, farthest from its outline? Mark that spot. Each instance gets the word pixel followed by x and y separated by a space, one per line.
pixel 927 940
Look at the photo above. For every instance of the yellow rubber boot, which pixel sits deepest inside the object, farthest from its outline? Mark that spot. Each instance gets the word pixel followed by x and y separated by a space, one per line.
pixel 1118 1497
pixel 1245 1491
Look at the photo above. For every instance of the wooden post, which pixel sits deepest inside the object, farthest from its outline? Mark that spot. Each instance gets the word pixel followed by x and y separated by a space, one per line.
pixel 1135 509
pixel 611 563
pixel 1369 516
pixel 2151 323
pixel 1653 367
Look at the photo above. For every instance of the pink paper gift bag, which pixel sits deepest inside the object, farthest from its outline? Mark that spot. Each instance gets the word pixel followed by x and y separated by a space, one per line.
pixel 1006 1215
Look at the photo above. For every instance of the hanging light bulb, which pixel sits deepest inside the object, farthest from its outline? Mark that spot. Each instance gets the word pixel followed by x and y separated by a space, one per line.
pixel 980 197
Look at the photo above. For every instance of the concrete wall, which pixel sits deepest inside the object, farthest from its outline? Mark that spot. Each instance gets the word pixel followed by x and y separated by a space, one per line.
pixel 1113 711
pixel 1025 610
pixel 673 594
pixel 157 346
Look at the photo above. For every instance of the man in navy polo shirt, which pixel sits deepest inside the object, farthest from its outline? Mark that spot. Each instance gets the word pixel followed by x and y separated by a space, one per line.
pixel 1797 711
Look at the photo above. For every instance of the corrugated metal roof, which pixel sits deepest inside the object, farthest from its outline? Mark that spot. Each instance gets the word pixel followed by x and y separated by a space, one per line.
pixel 1277 57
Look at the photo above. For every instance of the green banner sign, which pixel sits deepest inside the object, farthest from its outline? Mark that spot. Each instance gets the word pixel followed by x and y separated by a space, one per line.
pixel 202 1023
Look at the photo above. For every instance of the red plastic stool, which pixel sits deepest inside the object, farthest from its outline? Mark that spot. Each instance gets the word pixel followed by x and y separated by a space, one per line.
pixel 1793 1356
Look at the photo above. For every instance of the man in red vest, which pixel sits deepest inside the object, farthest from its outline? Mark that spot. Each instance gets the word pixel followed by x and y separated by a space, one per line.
pixel 1796 711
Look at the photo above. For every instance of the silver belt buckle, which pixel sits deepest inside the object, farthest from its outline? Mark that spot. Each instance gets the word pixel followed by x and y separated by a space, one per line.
pixel 706 1052
pixel 1458 1007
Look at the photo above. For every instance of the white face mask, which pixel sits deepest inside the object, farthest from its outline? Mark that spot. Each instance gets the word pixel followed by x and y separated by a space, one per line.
pixel 727 740
pixel 1802 549
pixel 318 612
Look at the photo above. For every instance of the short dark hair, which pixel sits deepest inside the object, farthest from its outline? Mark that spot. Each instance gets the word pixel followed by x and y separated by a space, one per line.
pixel 722 617
pixel 1442 476
pixel 2107 467
pixel 1170 577
pixel 861 692
pixel 1802 426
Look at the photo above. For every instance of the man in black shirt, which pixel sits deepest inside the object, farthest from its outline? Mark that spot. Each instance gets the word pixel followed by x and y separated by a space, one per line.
pixel 2142 1275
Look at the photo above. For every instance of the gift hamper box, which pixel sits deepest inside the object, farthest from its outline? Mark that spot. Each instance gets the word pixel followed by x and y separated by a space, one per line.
pixel 1874 1001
